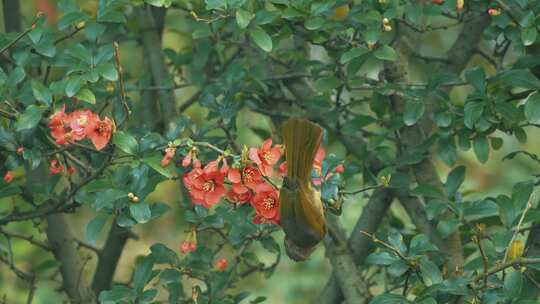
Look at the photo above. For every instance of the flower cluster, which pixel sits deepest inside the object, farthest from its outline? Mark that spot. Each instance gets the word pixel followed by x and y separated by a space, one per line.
pixel 78 125
pixel 249 182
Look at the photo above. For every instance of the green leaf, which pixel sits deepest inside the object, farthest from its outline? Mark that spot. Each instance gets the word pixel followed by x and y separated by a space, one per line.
pixel 94 227
pixel 261 38
pixel 454 180
pixel 513 283
pixel 163 254
pixel 140 212
pixel 107 71
pixel 413 112
pixel 389 298
pixel 327 84
pixel 86 95
pixel 529 35
pixel 314 23
pixel 73 85
pixel 518 78
pixel 496 143
pixel 473 111
pixel 532 108
pixel 447 227
pixel 427 190
pixel 481 149
pixel 143 273
pixel 126 142
pixel 29 119
pixel 352 54
pixel 41 93
pixel 159 3
pixel 507 210
pixel 381 258
pixel 477 78
pixel 105 199
pixel 430 272
pixel 243 18
pixel 154 162
pixel 385 52
pixel 447 151
pixel 420 244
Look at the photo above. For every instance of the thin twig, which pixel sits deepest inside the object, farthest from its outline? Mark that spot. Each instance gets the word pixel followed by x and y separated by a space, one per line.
pixel 29 239
pixel 21 35
pixel 360 190
pixel 518 227
pixel 121 80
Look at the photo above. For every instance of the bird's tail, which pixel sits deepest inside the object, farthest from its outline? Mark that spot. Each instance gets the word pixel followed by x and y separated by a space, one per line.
pixel 302 138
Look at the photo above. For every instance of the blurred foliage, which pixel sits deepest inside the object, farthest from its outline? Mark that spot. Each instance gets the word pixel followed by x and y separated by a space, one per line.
pixel 234 69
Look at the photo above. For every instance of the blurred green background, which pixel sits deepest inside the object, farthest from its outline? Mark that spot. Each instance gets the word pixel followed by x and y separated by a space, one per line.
pixel 294 283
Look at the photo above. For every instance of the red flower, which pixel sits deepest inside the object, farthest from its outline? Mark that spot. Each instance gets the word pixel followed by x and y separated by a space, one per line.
pixel 222 264
pixel 79 121
pixel 251 177
pixel 59 125
pixel 100 131
pixel 8 177
pixel 56 167
pixel 205 186
pixel 169 154
pixel 265 157
pixel 340 169
pixel 438 2
pixel 266 202
pixel 238 193
pixel 71 170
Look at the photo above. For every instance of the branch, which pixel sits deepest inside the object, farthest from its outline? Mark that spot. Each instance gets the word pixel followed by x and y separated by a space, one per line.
pixel 72 265
pixel 21 35
pixel 29 239
pixel 109 257
pixel 359 244
pixel 152 48
pixel 345 271
pixel 498 268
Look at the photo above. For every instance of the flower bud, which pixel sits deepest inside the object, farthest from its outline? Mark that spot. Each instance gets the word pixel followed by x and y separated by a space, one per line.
pixel 135 199
pixel 20 150
pixel 8 177
pixel 222 264
pixel 131 195
pixel 494 12
pixel 340 169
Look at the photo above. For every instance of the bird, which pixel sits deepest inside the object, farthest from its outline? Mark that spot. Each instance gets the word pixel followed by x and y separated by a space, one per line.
pixel 301 209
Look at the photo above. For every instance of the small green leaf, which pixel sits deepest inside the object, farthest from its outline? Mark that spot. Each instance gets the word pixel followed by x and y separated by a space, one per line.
pixel 41 93
pixel 163 254
pixel 154 162
pixel 430 272
pixel 314 23
pixel 513 283
pixel 73 85
pixel 29 119
pixel 385 52
pixel 143 273
pixel 413 112
pixel 477 78
pixel 126 142
pixel 243 18
pixel 481 149
pixel 454 180
pixel 94 227
pixel 107 71
pixel 327 84
pixel 532 108
pixel 389 298
pixel 261 38
pixel 352 53
pixel 140 212
pixel 381 258
pixel 86 95
pixel 529 35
